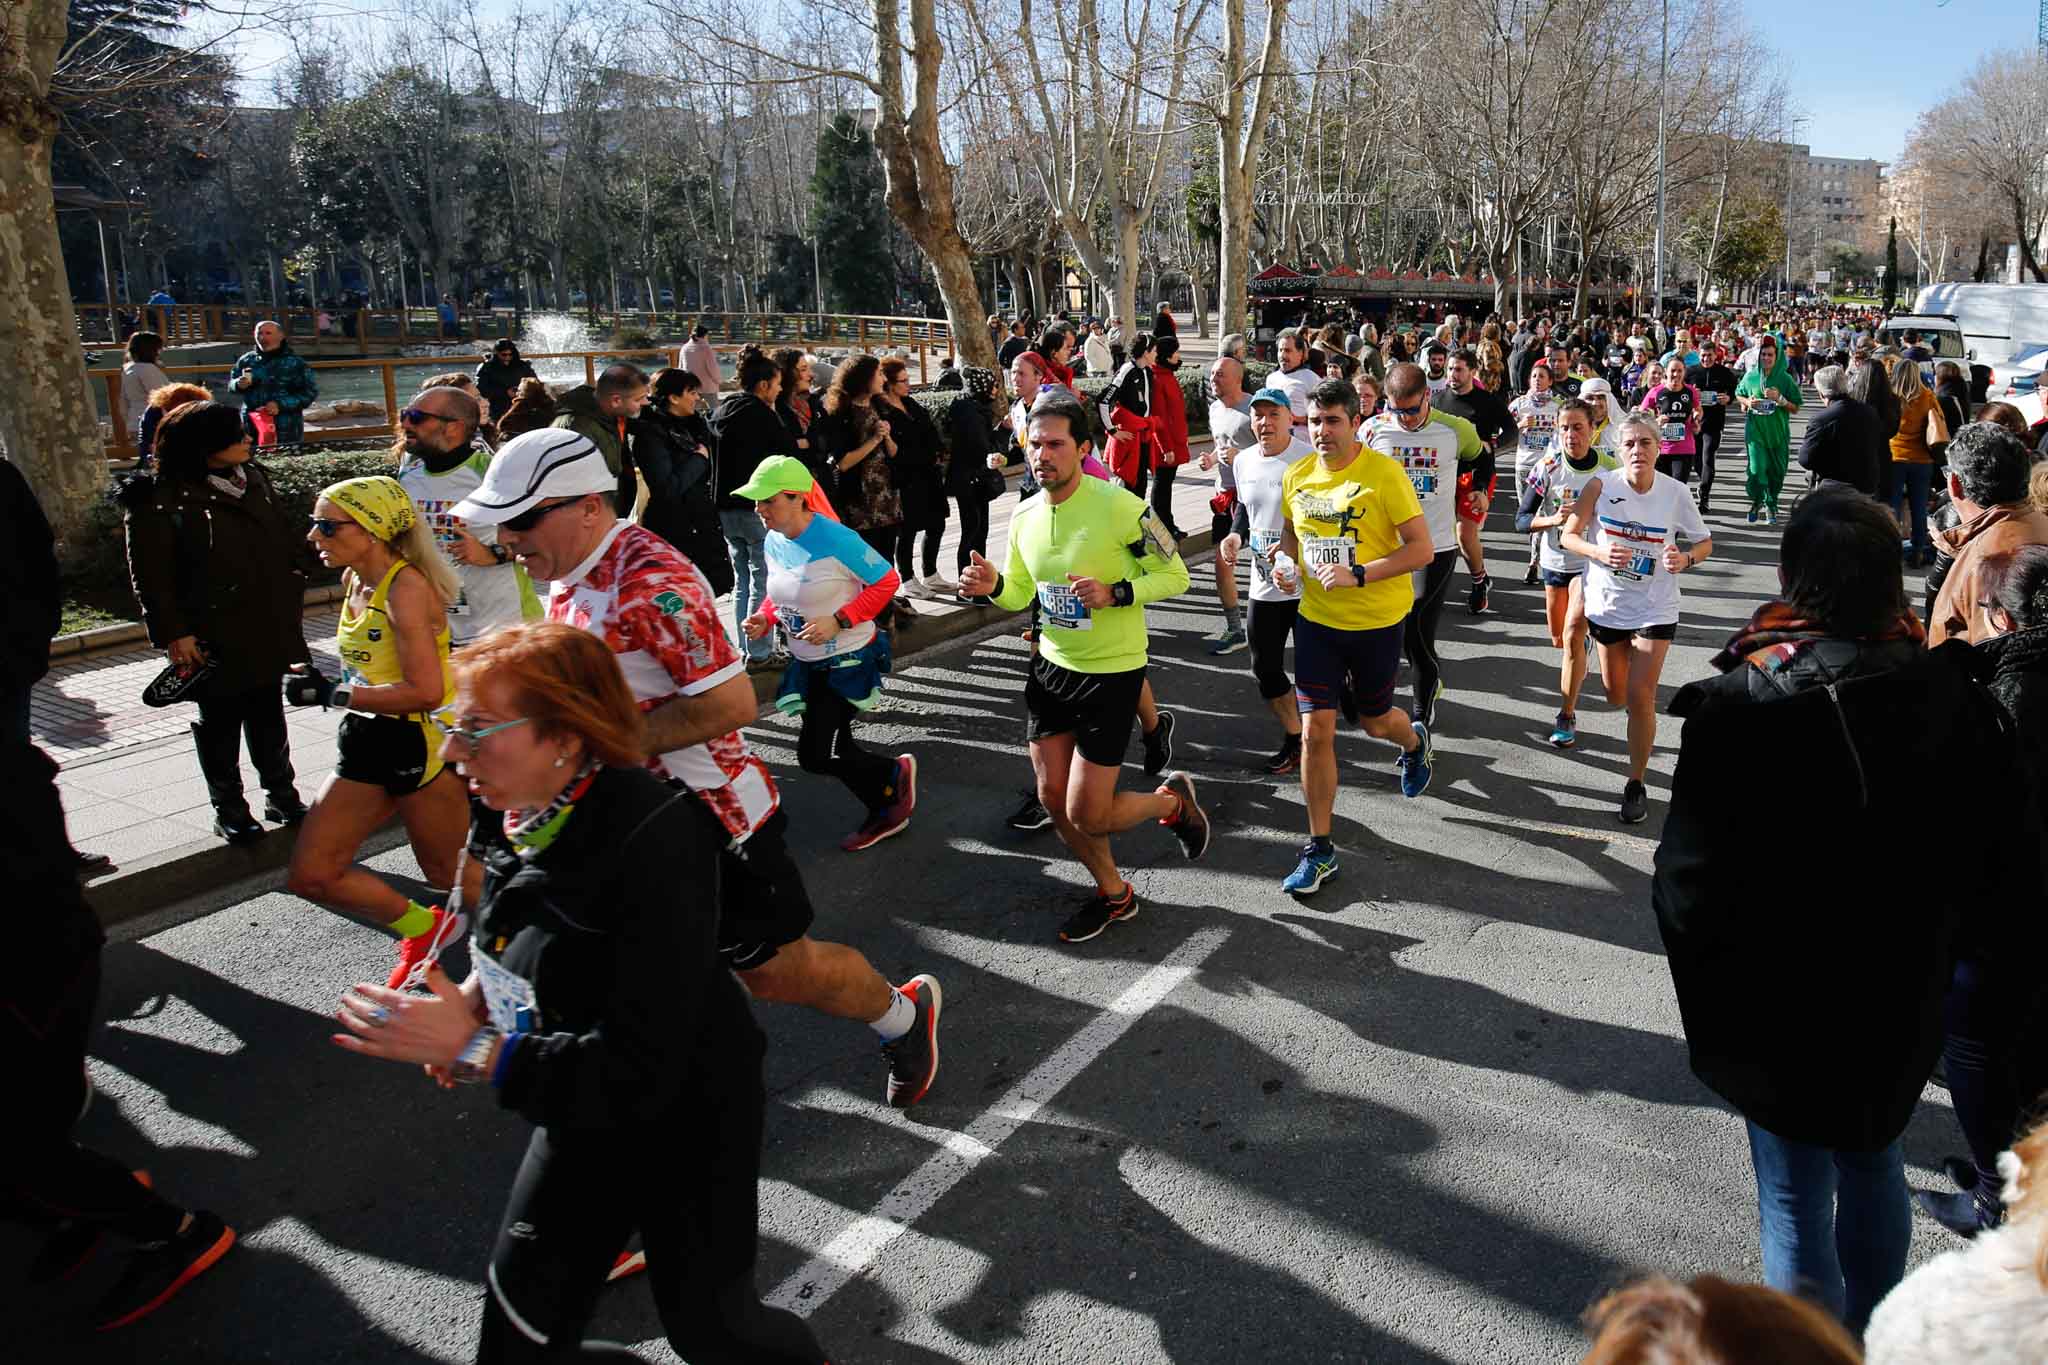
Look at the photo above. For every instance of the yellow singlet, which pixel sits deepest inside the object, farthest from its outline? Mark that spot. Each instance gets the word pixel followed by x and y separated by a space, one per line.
pixel 369 653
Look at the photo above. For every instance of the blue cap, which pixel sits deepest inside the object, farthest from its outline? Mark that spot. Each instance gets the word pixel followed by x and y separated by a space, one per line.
pixel 1278 397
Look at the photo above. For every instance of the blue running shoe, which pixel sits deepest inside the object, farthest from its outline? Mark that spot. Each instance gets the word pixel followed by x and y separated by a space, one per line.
pixel 1415 766
pixel 1565 733
pixel 1318 864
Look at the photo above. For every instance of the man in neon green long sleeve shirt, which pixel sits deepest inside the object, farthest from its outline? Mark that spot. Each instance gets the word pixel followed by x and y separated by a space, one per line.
pixel 1092 554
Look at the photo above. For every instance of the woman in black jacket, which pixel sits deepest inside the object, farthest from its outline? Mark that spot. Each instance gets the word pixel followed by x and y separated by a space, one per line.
pixel 969 478
pixel 221 576
pixel 918 472
pixel 748 431
pixel 1870 385
pixel 497 379
pixel 1812 985
pixel 675 450
pixel 598 1008
pixel 799 405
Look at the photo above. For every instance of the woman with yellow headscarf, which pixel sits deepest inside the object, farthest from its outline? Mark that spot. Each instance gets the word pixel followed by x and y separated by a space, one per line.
pixel 393 640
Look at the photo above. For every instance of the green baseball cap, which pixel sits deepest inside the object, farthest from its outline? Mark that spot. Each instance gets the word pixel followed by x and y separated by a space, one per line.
pixel 776 474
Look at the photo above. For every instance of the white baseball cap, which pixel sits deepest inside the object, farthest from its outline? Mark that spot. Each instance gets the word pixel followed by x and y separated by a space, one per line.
pixel 552 462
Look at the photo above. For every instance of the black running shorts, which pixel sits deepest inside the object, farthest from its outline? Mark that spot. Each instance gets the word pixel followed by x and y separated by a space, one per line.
pixel 1614 635
pixel 762 904
pixel 390 752
pixel 1097 709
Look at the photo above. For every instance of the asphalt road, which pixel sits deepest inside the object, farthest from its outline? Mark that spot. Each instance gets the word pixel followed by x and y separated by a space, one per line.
pixel 1427 1117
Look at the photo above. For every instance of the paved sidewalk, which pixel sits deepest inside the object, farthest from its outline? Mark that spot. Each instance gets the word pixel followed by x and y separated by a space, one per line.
pixel 131 786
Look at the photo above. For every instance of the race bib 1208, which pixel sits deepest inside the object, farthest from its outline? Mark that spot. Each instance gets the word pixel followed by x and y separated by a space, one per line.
pixel 1339 551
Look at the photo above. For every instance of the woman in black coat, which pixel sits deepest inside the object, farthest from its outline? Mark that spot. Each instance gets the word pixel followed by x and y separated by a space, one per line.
pixel 599 1010
pixel 221 575
pixel 969 479
pixel 677 455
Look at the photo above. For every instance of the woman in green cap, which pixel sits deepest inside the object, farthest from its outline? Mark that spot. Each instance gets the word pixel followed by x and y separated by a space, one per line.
pixel 1768 395
pixel 393 641
pixel 826 585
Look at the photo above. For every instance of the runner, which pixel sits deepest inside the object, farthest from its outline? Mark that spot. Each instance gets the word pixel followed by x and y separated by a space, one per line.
pixel 394 651
pixel 1716 385
pixel 1258 522
pixel 1436 449
pixel 1488 413
pixel 630 587
pixel 1436 356
pixel 1535 414
pixel 830 585
pixel 1675 404
pixel 1230 427
pixel 439 465
pixel 1549 494
pixel 1627 525
pixel 1295 377
pixel 1093 555
pixel 1354 514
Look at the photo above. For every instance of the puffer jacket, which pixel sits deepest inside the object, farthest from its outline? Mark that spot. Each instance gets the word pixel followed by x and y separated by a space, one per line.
pixel 748 432
pixel 281 377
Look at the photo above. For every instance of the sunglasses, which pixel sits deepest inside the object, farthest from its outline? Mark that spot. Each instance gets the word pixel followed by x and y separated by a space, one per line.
pixel 532 516
pixel 418 415
pixel 1409 411
pixel 329 527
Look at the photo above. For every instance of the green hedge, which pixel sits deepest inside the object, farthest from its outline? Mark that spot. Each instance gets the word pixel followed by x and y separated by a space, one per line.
pixel 1194 387
pixel 97 562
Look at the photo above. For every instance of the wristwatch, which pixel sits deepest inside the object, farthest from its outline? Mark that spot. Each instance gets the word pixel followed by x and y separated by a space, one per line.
pixel 472 1064
pixel 341 696
pixel 1358 572
pixel 499 552
pixel 1122 594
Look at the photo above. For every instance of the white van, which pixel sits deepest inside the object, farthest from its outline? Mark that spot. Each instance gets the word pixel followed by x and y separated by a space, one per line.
pixel 1997 319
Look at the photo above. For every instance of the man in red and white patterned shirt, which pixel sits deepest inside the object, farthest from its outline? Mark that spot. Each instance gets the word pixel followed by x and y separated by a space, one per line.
pixel 547 493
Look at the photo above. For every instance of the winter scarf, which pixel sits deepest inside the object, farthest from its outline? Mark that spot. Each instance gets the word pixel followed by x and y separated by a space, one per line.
pixel 1777 634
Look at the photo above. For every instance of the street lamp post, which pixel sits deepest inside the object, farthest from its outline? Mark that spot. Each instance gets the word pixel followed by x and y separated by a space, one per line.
pixel 1663 81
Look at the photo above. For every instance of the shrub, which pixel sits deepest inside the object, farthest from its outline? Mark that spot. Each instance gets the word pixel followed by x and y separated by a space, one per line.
pixel 631 337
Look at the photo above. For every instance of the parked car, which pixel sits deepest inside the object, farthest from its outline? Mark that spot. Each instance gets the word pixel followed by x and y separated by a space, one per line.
pixel 2019 373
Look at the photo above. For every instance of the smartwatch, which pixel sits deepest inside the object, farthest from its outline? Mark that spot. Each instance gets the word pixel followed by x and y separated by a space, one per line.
pixel 1358 572
pixel 341 696
pixel 840 618
pixel 1122 594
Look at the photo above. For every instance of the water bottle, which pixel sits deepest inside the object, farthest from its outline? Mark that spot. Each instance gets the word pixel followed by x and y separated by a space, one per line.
pixel 1284 572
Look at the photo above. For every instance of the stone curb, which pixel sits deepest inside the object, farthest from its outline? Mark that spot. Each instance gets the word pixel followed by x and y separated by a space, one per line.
pixel 104 638
pixel 154 882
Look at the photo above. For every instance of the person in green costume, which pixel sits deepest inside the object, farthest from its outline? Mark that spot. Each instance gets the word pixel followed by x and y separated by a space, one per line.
pixel 1768 395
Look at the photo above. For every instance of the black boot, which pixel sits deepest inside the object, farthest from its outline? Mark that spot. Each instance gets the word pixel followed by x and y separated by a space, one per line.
pixel 1965 1215
pixel 270 752
pixel 219 745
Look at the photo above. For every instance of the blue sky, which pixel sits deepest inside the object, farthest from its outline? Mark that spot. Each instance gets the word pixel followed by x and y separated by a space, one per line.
pixel 1862 73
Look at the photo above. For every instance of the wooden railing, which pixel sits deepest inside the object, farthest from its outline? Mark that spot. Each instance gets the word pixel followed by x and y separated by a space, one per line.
pixel 359 329
pixel 120 444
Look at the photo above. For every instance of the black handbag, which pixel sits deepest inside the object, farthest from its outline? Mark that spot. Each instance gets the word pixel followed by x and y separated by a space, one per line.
pixel 174 684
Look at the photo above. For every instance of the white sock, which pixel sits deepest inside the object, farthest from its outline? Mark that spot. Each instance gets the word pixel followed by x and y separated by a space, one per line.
pixel 896 1020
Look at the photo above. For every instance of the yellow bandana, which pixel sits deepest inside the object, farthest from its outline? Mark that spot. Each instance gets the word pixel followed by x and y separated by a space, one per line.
pixel 377 503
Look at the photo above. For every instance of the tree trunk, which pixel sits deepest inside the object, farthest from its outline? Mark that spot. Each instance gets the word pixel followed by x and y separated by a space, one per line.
pixel 47 424
pixel 1201 306
pixel 274 264
pixel 1237 152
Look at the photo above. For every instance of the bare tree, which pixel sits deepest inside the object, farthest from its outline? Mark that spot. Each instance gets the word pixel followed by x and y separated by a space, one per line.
pixel 1996 128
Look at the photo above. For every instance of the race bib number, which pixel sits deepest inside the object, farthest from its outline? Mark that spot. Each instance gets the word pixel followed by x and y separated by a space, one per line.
pixel 792 621
pixel 1711 398
pixel 508 997
pixel 1765 408
pixel 1339 551
pixel 1673 431
pixel 1263 546
pixel 1641 564
pixel 1063 608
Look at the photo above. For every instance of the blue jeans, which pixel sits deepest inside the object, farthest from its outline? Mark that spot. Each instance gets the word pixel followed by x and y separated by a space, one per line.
pixel 1835 1224
pixel 747 538
pixel 1910 485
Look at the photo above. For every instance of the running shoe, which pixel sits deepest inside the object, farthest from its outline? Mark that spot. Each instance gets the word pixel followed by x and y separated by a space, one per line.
pixel 915 588
pixel 1190 824
pixel 72 1244
pixel 1227 641
pixel 1770 516
pixel 1635 803
pixel 1482 586
pixel 1317 865
pixel 1030 814
pixel 156 1274
pixel 628 1263
pixel 906 786
pixel 1427 714
pixel 1755 516
pixel 1565 733
pixel 879 825
pixel 1159 745
pixel 1098 913
pixel 1415 766
pixel 914 1058
pixel 414 954
pixel 940 587
pixel 1288 760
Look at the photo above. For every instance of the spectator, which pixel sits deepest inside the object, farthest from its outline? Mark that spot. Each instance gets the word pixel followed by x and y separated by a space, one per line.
pixel 450 315
pixel 749 430
pixel 974 475
pixel 1169 407
pixel 1233 346
pixel 1095 351
pixel 1988 471
pixel 799 405
pixel 1842 444
pixel 1163 324
pixel 502 374
pixel 161 402
pixel 1870 385
pixel 858 439
pixel 220 575
pixel 1984 1304
pixel 1823 1041
pixel 677 456
pixel 1116 344
pixel 605 412
pixel 920 481
pixel 700 359
pixel 2005 415
pixel 140 377
pixel 1134 435
pixel 532 408
pixel 273 380
pixel 1712 1321
pixel 1056 348
pixel 1952 391
pixel 1017 341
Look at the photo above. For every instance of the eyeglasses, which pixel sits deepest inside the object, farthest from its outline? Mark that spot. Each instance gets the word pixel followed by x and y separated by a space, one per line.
pixel 329 527
pixel 532 516
pixel 1409 411
pixel 419 415
pixel 471 740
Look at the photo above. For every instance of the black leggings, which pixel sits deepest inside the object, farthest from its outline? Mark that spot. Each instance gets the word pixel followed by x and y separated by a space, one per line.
pixel 1678 467
pixel 689 1188
pixel 1985 1017
pixel 826 746
pixel 1418 636
pixel 1710 449
pixel 49 1176
pixel 973 529
pixel 1162 496
pixel 1268 624
pixel 906 543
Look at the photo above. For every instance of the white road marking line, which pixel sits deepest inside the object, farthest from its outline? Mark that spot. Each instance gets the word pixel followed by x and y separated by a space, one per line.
pixel 856 1248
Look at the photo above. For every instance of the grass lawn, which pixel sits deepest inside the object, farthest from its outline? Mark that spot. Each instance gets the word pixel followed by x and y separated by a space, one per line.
pixel 91 614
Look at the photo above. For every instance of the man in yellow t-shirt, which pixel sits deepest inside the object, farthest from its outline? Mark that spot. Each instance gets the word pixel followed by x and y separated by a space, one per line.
pixel 1354 533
